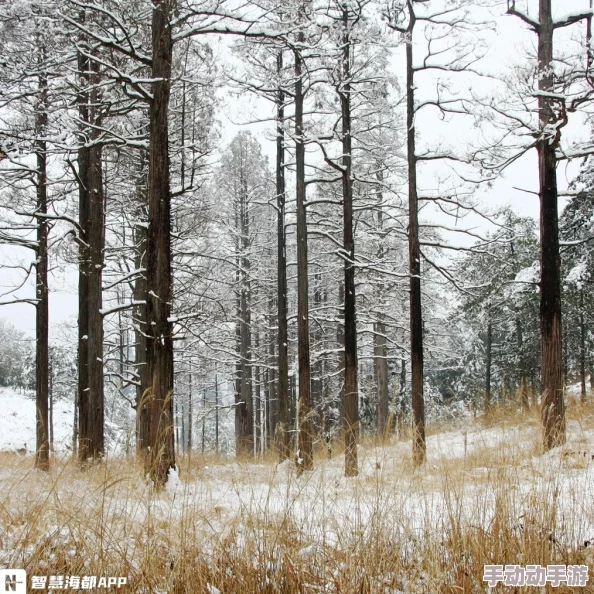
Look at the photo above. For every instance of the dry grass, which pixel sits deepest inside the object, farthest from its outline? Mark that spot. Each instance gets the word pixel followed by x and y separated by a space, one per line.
pixel 486 495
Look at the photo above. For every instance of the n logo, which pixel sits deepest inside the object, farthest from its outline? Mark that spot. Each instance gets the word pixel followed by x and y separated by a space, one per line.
pixel 13 581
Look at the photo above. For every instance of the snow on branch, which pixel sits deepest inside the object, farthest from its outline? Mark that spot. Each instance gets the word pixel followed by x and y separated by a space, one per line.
pixel 573 17
pixel 51 217
pixel 121 307
pixel 181 318
pixel 548 95
pixel 576 152
pixel 223 23
pixel 511 9
pixel 127 277
pixel 15 301
pixel 122 43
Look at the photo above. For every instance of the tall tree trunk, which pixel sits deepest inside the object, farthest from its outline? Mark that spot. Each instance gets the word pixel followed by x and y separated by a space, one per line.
pixel 340 343
pixel 553 404
pixel 191 414
pixel 258 428
pixel 316 366
pixel 91 220
pixel 159 276
pixel 42 446
pixel 414 246
pixel 83 283
pixel 565 361
pixel 51 409
pixel 75 425
pixel 272 391
pixel 244 410
pixel 401 396
pixel 522 365
pixel 203 420
pixel 489 350
pixel 304 408
pixel 582 349
pixel 216 413
pixel 240 413
pixel 140 343
pixel 292 408
pixel 283 335
pixel 183 428
pixel 351 388
pixel 96 234
pixel 381 373
pixel 177 440
pixel 139 296
pixel 327 399
pixel 380 349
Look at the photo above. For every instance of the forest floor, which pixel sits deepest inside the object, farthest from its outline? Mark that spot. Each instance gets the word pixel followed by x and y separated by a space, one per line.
pixel 487 494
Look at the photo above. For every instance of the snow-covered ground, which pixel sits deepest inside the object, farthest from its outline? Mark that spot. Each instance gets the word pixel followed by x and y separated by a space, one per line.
pixel 17 422
pixel 476 477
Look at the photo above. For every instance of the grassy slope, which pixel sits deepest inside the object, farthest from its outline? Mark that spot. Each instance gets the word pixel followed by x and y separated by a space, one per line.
pixel 487 495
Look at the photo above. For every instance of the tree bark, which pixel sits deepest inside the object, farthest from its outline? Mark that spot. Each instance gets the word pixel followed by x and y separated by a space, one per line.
pixel 216 413
pixel 140 344
pixel 91 220
pixel 489 351
pixel 316 365
pixel 184 434
pixel 139 295
pixel 380 349
pixel 523 385
pixel 283 335
pixel 159 275
pixel 244 409
pixel 75 425
pixel 203 420
pixel 381 372
pixel 271 380
pixel 83 284
pixel 304 410
pixel 258 427
pixel 582 349
pixel 42 446
pixel 401 396
pixel 416 312
pixel 239 409
pixel 340 342
pixel 351 388
pixel 553 404
pixel 191 414
pixel 96 235
pixel 51 408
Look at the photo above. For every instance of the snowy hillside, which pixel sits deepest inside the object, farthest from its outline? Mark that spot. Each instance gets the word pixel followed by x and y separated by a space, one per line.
pixel 487 494
pixel 17 422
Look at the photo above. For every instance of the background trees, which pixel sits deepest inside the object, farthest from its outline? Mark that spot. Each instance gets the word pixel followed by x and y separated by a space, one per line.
pixel 332 295
pixel 498 310
pixel 245 187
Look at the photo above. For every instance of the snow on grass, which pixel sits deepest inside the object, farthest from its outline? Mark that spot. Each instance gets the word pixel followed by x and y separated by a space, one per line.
pixel 487 494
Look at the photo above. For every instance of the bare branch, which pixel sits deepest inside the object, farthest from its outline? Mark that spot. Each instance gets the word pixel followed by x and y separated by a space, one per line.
pixel 511 9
